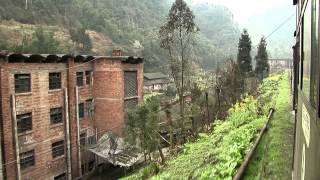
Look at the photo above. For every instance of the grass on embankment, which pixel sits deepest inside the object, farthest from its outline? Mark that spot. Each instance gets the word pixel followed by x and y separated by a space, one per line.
pixel 273 156
pixel 218 155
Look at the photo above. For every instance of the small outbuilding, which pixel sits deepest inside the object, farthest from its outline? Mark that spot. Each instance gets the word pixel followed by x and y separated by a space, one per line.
pixel 156 81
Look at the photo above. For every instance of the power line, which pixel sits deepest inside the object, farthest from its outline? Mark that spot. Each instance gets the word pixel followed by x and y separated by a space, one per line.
pixel 280 26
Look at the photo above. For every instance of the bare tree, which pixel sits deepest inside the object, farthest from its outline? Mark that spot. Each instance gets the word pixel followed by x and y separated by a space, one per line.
pixel 175 37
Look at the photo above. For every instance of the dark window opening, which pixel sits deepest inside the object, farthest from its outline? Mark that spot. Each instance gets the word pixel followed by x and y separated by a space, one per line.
pixel 88 77
pixel 83 137
pixel 81 110
pixel 22 83
pixel 57 149
pixel 27 159
pixel 54 81
pixel 91 165
pixel 83 169
pixel 89 108
pixel 56 115
pixel 92 140
pixel 24 122
pixel 61 177
pixel 79 78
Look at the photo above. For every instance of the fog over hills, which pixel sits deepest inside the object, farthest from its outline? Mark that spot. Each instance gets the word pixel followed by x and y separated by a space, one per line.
pixel 133 26
pixel 261 18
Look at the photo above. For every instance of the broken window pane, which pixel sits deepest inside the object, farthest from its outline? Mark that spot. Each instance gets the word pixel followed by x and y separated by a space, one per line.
pixel 27 159
pixel 54 81
pixel 79 78
pixel 22 83
pixel 56 115
pixel 24 122
pixel 57 149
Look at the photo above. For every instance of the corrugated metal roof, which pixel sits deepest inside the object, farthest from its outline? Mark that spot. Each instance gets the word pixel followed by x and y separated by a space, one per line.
pixel 156 75
pixel 62 58
pixel 116 151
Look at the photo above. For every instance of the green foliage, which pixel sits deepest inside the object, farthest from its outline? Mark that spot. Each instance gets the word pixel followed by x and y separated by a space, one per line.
pixel 41 43
pixel 273 157
pixel 151 95
pixel 176 37
pixel 244 57
pixel 219 154
pixel 262 66
pixel 229 87
pixel 81 40
pixel 141 125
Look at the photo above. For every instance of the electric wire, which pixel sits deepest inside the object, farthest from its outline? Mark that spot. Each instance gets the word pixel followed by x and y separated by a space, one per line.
pixel 109 129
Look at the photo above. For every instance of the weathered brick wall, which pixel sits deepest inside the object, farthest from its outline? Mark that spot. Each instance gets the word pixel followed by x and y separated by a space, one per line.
pixel 72 116
pixel 109 93
pixel 9 154
pixel 86 123
pixel 43 134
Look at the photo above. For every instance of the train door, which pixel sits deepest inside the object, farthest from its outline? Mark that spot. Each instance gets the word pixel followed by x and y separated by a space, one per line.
pixel 307 145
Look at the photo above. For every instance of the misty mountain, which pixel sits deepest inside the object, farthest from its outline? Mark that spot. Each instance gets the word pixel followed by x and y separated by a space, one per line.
pixel 132 25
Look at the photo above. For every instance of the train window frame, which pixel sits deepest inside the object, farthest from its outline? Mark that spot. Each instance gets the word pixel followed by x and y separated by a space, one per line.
pixel 314 78
pixel 308 60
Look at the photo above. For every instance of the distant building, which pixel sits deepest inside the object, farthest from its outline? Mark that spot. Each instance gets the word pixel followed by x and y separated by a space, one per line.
pixel 156 81
pixel 277 65
pixel 53 106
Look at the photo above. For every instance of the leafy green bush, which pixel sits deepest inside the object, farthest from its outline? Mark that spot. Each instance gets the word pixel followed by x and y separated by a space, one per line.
pixel 219 154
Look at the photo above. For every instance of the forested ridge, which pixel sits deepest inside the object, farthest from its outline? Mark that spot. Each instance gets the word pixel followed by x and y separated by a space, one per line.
pixel 130 25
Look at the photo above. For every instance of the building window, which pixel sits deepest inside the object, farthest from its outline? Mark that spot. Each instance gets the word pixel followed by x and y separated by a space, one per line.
pixel 89 108
pixel 57 149
pixel 92 140
pixel 24 122
pixel 130 89
pixel 56 115
pixel 61 177
pixel 22 83
pixel 83 169
pixel 81 110
pixel 83 137
pixel 88 77
pixel 54 81
pixel 27 159
pixel 130 84
pixel 79 78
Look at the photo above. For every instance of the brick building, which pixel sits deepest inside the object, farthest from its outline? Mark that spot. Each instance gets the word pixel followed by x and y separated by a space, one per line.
pixel 52 106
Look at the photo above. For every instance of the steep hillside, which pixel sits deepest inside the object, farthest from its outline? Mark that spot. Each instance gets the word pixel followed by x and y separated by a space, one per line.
pixel 129 25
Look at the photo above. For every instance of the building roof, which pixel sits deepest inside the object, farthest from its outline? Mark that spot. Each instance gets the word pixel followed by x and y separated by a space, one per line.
pixel 63 58
pixel 156 75
pixel 116 151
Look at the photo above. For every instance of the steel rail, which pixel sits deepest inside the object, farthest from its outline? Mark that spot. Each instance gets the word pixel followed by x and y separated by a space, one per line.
pixel 244 165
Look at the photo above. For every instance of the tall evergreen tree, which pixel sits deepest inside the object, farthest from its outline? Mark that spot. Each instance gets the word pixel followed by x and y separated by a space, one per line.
pixel 244 58
pixel 176 37
pixel 262 66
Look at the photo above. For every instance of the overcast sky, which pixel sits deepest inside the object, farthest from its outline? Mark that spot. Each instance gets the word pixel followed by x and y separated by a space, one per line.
pixel 243 10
